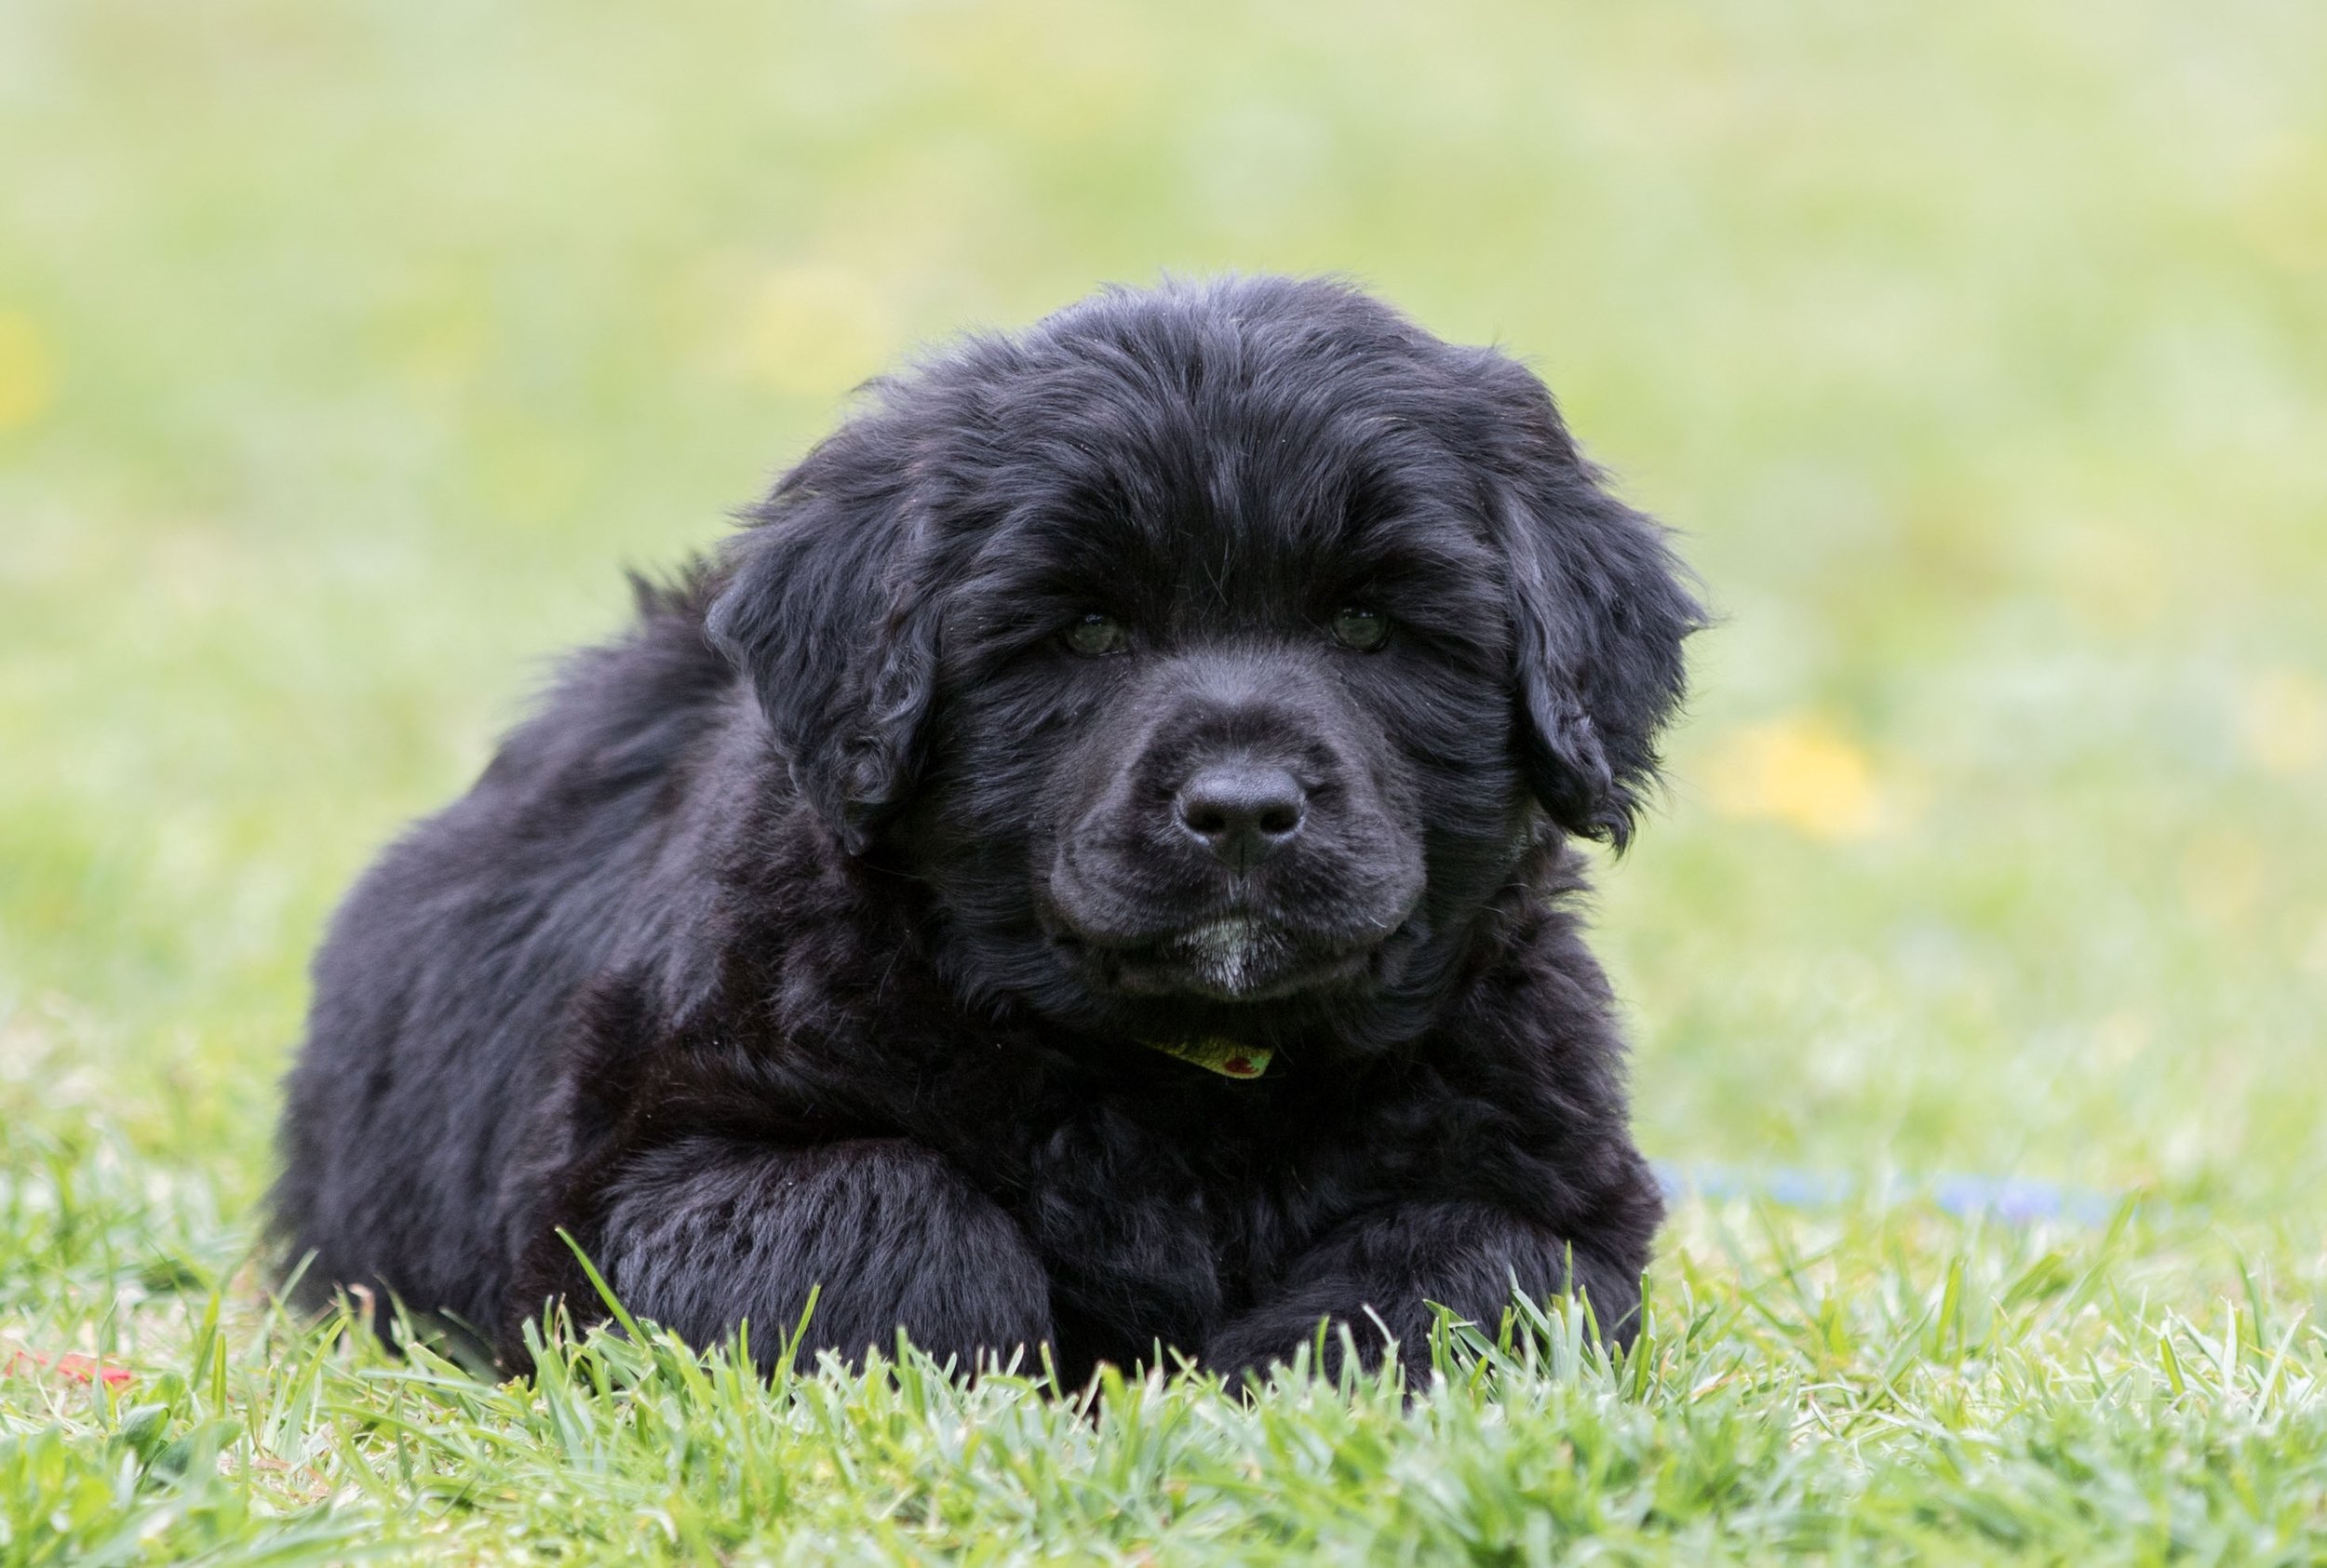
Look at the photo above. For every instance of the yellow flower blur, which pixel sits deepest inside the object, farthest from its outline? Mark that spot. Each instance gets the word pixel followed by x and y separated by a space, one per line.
pixel 1799 770
pixel 26 380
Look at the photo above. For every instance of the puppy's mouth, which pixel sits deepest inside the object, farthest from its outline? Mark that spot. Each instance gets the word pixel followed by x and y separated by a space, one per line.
pixel 1239 957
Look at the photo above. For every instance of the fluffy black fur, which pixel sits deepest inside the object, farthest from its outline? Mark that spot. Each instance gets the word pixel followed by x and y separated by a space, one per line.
pixel 820 930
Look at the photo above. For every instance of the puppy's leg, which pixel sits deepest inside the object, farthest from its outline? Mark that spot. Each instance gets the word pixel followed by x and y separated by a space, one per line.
pixel 1379 1274
pixel 705 1233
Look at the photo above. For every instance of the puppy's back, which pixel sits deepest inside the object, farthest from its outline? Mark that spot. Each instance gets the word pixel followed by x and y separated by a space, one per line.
pixel 448 972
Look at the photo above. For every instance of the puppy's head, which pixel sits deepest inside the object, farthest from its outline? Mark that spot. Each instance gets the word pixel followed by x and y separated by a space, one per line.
pixel 1213 654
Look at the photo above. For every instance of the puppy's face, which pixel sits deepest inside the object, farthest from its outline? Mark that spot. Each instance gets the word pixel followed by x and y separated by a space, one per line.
pixel 1209 667
pixel 1220 751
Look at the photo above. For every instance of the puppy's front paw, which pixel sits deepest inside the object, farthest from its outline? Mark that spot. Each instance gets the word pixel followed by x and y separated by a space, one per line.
pixel 1245 1348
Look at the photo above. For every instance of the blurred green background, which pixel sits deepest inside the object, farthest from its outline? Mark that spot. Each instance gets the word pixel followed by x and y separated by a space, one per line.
pixel 347 352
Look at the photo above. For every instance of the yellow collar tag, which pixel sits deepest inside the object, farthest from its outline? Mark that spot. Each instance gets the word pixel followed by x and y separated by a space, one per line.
pixel 1217 1055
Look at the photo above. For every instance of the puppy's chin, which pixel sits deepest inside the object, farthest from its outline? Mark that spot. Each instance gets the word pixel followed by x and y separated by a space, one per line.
pixel 1348 1003
pixel 1228 968
pixel 1233 959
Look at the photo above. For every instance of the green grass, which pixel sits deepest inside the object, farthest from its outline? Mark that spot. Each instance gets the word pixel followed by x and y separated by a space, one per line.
pixel 348 349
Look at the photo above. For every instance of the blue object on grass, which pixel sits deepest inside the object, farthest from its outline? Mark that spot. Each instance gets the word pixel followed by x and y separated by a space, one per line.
pixel 2013 1199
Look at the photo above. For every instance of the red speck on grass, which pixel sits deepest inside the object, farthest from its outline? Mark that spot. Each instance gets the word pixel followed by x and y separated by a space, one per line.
pixel 71 1366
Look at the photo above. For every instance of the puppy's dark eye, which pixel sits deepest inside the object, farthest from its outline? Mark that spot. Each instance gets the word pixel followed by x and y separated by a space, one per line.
pixel 1094 636
pixel 1364 629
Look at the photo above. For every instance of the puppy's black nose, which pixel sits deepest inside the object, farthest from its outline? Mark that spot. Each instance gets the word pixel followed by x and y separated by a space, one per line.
pixel 1242 811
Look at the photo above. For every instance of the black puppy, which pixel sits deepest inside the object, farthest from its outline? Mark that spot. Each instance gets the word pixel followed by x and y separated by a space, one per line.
pixel 1088 865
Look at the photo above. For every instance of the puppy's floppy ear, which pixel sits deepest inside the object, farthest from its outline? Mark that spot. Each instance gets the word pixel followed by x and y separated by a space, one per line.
pixel 821 609
pixel 1601 607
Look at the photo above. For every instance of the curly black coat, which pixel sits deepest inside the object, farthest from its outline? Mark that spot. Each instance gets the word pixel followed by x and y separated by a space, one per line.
pixel 1223 667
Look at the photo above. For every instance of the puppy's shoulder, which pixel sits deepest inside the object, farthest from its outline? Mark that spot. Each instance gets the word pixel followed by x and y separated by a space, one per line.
pixel 1539 1004
pixel 632 706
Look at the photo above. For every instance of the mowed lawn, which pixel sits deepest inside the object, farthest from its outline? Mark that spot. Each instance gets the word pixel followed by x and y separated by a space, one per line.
pixel 349 350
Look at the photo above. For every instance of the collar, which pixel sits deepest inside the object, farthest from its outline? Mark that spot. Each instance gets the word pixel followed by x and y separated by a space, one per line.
pixel 1217 1055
